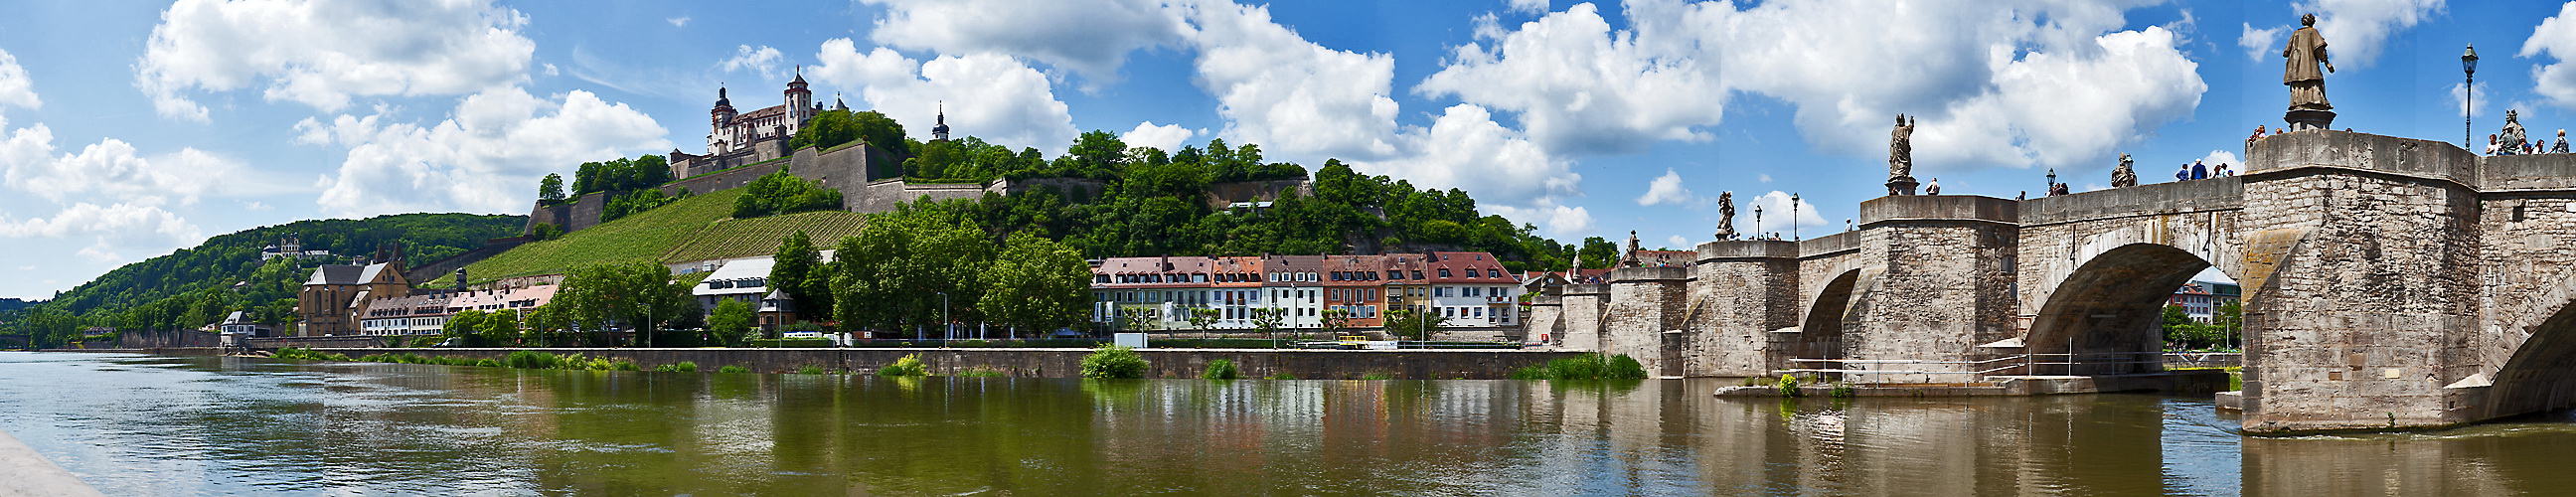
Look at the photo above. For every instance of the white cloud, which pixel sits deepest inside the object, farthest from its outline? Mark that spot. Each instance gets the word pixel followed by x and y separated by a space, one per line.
pixel 1764 177
pixel 323 52
pixel 678 22
pixel 1580 86
pixel 1676 241
pixel 1775 213
pixel 2459 96
pixel 1294 97
pixel 761 61
pixel 2217 157
pixel 1667 189
pixel 1530 6
pixel 1091 37
pixel 989 96
pixel 1465 148
pixel 485 157
pixel 1557 221
pixel 15 87
pixel 112 169
pixel 2556 38
pixel 2137 81
pixel 1168 137
pixel 2261 43
pixel 127 227
pixel 2356 30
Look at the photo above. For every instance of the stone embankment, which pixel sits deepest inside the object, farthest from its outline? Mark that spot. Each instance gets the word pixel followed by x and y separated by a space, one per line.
pixel 23 471
pixel 1035 363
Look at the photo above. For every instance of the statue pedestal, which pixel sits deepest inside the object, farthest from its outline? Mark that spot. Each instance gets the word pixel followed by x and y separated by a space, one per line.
pixel 1900 185
pixel 2303 119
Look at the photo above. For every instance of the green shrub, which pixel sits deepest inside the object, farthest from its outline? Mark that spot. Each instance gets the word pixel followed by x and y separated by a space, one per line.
pixel 1789 386
pixel 488 363
pixel 303 354
pixel 1843 390
pixel 625 366
pixel 1220 369
pixel 681 367
pixel 909 365
pixel 1377 375
pixel 732 369
pixel 1586 367
pixel 1113 361
pixel 810 369
pixel 525 359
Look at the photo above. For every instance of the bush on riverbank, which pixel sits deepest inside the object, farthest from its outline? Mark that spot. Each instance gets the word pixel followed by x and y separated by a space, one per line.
pixel 681 367
pixel 297 354
pixel 1220 369
pixel 1586 367
pixel 909 365
pixel 732 369
pixel 1112 361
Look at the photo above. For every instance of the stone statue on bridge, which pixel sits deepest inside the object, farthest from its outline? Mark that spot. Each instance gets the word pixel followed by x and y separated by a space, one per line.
pixel 1726 215
pixel 2513 135
pixel 2305 51
pixel 1900 157
pixel 2125 174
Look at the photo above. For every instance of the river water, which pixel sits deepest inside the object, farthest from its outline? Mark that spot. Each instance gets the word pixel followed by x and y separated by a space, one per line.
pixel 144 425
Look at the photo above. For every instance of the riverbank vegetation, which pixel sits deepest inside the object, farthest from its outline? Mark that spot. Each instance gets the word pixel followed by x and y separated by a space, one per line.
pixel 1113 361
pixel 1586 367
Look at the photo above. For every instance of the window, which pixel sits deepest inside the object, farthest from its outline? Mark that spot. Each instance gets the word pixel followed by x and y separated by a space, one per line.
pixel 1440 292
pixel 1467 292
pixel 1444 272
pixel 1394 274
pixel 1417 274
pixel 1198 278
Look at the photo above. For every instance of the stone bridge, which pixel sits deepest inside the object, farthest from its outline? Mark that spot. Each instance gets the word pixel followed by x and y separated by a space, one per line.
pixel 2388 283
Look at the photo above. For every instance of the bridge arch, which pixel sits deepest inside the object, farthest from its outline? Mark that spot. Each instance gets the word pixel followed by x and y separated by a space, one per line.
pixel 2108 312
pixel 1820 335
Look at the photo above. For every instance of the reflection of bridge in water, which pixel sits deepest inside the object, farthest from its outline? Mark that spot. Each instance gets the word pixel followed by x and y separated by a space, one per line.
pixel 2388 282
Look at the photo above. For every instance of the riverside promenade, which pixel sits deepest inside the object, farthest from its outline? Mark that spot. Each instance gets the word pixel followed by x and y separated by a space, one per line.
pixel 24 472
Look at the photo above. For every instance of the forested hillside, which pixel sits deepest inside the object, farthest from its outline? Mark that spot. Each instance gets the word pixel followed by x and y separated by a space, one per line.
pixel 194 286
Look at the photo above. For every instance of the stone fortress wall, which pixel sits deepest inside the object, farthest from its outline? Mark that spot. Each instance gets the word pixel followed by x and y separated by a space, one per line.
pixel 2389 282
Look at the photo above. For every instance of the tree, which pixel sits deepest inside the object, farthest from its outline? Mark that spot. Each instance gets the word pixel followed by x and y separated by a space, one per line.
pixel 1336 320
pixel 1037 284
pixel 464 324
pixel 498 329
pixel 551 189
pixel 1138 319
pixel 799 270
pixel 1268 319
pixel 1412 324
pixel 909 268
pixel 639 295
pixel 783 193
pixel 547 324
pixel 1202 318
pixel 880 131
pixel 1599 253
pixel 731 322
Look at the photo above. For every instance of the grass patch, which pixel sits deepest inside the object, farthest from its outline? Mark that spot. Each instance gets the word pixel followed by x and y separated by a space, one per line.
pixel 692 229
pixel 1586 367
pixel 732 369
pixel 299 354
pixel 731 238
pixel 810 369
pixel 1377 375
pixel 1220 369
pixel 681 367
pixel 1112 361
pixel 909 365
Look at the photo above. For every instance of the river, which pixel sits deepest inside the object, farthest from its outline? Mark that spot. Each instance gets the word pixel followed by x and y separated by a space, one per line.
pixel 146 425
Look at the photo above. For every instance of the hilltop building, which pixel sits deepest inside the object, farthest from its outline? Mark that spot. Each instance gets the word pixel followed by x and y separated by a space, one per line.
pixel 291 246
pixel 738 138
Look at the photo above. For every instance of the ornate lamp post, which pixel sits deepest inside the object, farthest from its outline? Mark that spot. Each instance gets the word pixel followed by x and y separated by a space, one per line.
pixel 1793 216
pixel 2468 97
pixel 1757 222
pixel 2052 183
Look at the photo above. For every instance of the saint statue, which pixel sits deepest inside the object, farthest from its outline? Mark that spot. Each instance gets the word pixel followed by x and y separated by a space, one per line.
pixel 1900 157
pixel 2306 50
pixel 2513 136
pixel 2125 174
pixel 1726 215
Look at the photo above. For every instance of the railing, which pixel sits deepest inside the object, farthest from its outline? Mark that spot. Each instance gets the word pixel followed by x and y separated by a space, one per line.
pixel 1977 370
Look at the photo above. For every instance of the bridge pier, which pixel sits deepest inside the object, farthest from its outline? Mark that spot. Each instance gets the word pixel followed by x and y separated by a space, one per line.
pixel 1646 305
pixel 1937 286
pixel 1743 305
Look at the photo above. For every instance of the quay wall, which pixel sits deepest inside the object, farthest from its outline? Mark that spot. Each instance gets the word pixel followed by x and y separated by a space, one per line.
pixel 1060 363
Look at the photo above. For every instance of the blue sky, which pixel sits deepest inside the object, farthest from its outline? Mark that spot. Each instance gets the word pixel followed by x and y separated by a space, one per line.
pixel 129 129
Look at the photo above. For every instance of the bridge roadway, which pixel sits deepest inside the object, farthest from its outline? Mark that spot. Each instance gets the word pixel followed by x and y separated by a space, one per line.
pixel 2389 283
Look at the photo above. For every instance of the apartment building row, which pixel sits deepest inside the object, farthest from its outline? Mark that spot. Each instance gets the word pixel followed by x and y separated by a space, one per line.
pixel 1467 289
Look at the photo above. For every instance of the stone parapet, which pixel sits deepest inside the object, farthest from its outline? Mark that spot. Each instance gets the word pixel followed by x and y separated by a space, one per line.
pixel 1939 208
pixel 2214 194
pixel 2364 152
pixel 1593 289
pixel 1747 249
pixel 1829 245
pixel 1647 274
pixel 2527 172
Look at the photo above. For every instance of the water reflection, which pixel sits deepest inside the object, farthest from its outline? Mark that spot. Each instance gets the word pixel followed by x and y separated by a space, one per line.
pixel 178 426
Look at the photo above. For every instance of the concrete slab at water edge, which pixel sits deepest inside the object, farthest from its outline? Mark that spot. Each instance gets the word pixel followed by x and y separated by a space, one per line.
pixel 24 472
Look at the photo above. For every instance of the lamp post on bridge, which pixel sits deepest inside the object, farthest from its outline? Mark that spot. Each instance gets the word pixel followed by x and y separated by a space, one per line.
pixel 1793 214
pixel 1757 222
pixel 2468 97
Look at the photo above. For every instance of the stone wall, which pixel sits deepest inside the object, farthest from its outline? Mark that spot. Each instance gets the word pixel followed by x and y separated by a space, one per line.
pixel 1582 306
pixel 1645 304
pixel 1066 363
pixel 2366 323
pixel 723 180
pixel 1941 290
pixel 1742 293
pixel 573 215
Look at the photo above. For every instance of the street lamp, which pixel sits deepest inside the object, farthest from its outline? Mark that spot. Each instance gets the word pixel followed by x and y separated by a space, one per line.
pixel 949 330
pixel 2468 96
pixel 1757 223
pixel 2052 183
pixel 1793 216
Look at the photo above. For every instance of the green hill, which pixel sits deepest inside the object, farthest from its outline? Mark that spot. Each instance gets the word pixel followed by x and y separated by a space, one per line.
pixel 697 228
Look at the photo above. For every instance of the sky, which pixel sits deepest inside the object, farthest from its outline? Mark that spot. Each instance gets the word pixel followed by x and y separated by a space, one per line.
pixel 131 129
